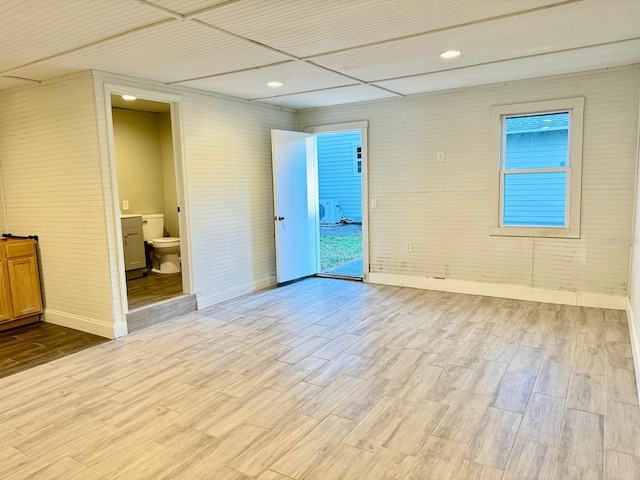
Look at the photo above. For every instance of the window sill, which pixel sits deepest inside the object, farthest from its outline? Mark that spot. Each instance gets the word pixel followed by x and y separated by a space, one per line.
pixel 545 232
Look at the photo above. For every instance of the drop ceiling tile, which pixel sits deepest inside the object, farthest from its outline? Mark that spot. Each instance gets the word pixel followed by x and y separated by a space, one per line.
pixel 296 77
pixel 335 96
pixel 572 26
pixel 39 29
pixel 12 82
pixel 185 7
pixel 168 53
pixel 311 27
pixel 532 67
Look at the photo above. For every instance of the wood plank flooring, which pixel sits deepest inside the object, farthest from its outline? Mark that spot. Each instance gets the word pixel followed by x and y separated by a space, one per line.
pixel 25 347
pixel 153 288
pixel 327 379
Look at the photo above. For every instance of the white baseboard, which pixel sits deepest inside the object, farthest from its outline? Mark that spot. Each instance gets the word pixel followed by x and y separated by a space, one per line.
pixel 84 324
pixel 635 345
pixel 205 301
pixel 516 292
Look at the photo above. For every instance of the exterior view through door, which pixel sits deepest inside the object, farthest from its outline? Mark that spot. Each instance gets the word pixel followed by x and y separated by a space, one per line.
pixel 315 233
pixel 340 202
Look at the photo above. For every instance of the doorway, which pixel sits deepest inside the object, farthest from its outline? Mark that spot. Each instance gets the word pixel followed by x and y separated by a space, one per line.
pixel 297 202
pixel 340 203
pixel 146 162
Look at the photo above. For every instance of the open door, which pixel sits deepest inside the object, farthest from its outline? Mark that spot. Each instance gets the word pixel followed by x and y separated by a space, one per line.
pixel 295 204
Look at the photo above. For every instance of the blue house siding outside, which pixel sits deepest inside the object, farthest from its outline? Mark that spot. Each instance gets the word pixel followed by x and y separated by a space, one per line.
pixel 337 177
pixel 532 142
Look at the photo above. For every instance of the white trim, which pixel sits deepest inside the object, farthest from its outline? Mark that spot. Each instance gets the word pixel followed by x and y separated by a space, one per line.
pixel 85 324
pixel 355 160
pixel 177 131
pixel 363 126
pixel 516 171
pixel 182 194
pixel 632 250
pixel 204 301
pixel 633 330
pixel 516 292
pixel 365 204
pixel 575 106
pixel 548 232
pixel 635 345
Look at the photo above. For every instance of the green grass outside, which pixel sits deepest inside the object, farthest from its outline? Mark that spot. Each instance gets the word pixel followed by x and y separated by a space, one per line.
pixel 336 250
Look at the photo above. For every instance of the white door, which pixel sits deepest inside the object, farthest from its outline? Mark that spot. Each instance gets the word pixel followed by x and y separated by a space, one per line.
pixel 295 204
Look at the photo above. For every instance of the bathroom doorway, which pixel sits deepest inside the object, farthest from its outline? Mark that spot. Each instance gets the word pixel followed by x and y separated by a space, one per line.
pixel 148 191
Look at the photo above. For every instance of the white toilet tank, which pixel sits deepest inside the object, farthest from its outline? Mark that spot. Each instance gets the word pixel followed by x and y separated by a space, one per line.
pixel 152 226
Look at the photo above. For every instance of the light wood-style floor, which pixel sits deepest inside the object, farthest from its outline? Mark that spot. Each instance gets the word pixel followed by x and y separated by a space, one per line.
pixel 327 379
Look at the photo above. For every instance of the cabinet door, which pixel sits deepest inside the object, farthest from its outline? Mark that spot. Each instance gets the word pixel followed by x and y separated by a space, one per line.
pixel 6 311
pixel 133 248
pixel 25 286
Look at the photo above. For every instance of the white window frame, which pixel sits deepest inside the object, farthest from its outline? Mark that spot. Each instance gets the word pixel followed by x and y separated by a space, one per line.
pixel 575 107
pixel 357 173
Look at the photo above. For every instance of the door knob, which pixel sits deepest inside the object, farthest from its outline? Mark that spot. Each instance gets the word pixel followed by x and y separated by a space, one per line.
pixel 276 218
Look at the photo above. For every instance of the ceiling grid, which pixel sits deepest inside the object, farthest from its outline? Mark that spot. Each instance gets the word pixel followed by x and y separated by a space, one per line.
pixel 325 53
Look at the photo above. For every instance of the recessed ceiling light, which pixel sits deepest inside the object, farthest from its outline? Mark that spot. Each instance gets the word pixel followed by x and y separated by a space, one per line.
pixel 275 84
pixel 129 97
pixel 450 54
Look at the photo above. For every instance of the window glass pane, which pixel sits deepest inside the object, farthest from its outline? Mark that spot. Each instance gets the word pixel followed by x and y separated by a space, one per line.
pixel 537 141
pixel 535 199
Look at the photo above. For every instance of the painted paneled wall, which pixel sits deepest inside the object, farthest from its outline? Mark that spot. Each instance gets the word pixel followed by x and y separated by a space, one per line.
pixel 228 180
pixel 444 208
pixel 52 188
pixel 337 178
pixel 139 161
pixel 229 175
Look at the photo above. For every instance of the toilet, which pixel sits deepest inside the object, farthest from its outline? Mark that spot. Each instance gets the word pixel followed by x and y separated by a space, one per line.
pixel 165 253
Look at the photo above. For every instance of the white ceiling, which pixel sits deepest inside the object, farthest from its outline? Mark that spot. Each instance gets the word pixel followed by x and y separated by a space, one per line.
pixel 326 52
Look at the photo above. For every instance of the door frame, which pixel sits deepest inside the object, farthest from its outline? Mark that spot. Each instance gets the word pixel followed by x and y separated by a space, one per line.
pixel 363 126
pixel 177 133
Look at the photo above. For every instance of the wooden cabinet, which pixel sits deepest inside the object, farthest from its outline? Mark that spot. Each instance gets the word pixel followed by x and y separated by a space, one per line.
pixel 20 296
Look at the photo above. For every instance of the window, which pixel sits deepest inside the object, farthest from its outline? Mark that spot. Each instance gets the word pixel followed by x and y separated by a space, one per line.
pixel 537 148
pixel 357 161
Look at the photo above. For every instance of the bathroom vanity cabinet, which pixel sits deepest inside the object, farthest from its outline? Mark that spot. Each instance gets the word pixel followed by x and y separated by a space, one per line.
pixel 20 295
pixel 135 262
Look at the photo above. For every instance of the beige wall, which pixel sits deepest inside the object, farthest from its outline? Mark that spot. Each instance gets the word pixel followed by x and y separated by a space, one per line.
pixel 445 208
pixel 145 164
pixel 139 161
pixel 169 173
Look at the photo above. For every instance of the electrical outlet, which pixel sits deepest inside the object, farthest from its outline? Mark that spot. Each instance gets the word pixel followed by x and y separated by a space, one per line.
pixel 408 247
pixel 125 205
pixel 439 157
pixel 374 203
